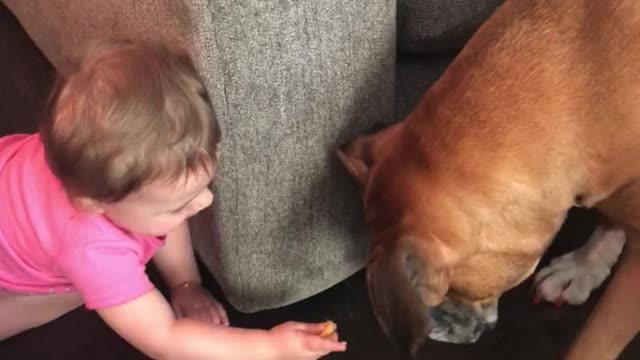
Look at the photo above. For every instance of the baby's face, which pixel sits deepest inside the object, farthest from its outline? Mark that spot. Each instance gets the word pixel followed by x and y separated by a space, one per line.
pixel 158 208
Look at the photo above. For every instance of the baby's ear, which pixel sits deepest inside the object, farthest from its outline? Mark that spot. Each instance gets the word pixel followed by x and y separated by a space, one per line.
pixel 88 205
pixel 217 153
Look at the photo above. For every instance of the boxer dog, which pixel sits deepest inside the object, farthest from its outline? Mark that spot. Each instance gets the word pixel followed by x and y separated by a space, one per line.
pixel 538 113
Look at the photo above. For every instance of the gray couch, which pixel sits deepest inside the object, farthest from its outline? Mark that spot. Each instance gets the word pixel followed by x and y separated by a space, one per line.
pixel 290 81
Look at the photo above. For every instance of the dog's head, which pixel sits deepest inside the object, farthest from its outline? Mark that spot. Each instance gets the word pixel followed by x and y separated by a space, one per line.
pixel 435 270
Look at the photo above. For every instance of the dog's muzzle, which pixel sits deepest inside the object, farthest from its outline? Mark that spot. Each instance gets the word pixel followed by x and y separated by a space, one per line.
pixel 454 322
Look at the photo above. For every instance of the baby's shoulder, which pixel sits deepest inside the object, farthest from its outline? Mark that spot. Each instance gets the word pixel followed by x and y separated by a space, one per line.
pixel 15 145
pixel 95 230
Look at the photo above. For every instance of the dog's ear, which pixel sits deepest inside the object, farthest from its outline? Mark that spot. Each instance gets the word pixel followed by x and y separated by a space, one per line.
pixel 428 265
pixel 405 282
pixel 359 156
pixel 356 159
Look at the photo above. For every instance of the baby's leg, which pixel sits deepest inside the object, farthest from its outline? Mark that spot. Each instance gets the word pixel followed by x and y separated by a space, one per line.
pixel 23 312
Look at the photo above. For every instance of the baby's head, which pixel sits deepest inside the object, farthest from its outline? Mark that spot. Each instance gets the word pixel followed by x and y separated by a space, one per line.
pixel 132 135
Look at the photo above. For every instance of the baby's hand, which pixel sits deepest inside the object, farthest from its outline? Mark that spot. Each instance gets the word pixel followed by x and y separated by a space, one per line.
pixel 192 301
pixel 302 341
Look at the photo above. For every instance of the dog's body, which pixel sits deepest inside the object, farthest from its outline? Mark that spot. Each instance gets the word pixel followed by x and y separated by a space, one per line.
pixel 538 113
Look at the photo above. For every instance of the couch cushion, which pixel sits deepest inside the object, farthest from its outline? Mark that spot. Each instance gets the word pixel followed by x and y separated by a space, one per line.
pixel 431 26
pixel 298 79
pixel 415 73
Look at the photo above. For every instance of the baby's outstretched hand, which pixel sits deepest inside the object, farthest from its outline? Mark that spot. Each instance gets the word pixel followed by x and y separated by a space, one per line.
pixel 305 341
pixel 194 302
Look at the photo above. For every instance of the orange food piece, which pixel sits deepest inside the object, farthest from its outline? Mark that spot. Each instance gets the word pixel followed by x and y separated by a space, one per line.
pixel 329 328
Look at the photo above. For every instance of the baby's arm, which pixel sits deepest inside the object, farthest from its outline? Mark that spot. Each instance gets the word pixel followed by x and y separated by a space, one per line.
pixel 148 324
pixel 175 260
pixel 112 281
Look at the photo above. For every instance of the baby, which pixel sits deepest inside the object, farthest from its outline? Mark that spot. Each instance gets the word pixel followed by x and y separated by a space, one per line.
pixel 125 157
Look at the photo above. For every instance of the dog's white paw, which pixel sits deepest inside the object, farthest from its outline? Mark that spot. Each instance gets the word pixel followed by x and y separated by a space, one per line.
pixel 572 277
pixel 569 278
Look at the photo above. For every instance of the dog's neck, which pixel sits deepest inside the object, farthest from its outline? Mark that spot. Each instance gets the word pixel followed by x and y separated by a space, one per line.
pixel 519 194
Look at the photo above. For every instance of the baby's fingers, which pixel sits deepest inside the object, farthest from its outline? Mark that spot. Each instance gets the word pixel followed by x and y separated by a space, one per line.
pixel 177 311
pixel 207 314
pixel 333 336
pixel 221 313
pixel 324 345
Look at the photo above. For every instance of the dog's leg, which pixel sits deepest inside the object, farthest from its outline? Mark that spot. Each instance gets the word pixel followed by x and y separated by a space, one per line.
pixel 616 319
pixel 571 278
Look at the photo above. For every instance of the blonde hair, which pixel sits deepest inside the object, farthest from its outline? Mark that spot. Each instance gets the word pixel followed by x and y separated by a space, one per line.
pixel 129 114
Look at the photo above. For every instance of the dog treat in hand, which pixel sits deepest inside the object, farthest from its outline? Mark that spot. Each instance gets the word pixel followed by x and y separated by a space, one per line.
pixel 329 328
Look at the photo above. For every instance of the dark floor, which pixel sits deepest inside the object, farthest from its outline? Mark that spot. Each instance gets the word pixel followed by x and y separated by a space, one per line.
pixel 525 330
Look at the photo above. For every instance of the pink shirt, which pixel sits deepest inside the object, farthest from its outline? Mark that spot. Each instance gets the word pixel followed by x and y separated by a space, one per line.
pixel 47 246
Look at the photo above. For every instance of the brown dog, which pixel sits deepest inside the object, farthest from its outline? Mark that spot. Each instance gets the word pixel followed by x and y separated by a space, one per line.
pixel 538 113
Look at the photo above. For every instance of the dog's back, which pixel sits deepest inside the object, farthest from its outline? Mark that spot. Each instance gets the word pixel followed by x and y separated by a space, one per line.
pixel 561 75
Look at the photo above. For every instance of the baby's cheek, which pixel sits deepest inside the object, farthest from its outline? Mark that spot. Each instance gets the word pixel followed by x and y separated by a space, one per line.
pixel 169 225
